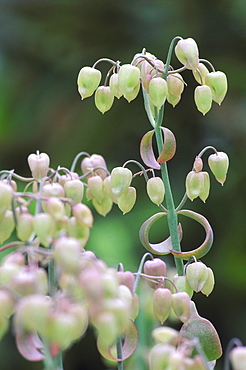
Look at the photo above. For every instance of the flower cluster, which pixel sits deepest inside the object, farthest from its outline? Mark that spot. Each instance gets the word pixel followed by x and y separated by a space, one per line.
pixel 159 81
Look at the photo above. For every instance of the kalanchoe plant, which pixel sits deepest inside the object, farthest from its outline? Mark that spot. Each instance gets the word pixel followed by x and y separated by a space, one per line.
pixel 54 288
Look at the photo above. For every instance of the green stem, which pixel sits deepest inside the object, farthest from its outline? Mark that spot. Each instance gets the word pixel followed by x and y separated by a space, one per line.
pixel 172 216
pixel 119 353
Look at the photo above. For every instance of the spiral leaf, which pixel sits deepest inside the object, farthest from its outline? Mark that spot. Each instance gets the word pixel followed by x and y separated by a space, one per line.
pixel 203 249
pixel 30 346
pixel 161 248
pixel 169 146
pixel 146 151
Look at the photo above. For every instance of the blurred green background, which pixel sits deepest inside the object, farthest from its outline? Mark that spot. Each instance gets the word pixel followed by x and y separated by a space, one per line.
pixel 43 45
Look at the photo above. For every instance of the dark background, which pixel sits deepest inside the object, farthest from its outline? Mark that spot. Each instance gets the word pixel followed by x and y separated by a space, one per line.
pixel 43 45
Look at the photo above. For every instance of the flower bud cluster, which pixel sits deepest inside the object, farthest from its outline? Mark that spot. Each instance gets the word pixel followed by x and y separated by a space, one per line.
pixel 170 353
pixel 148 71
pixel 198 182
pixel 213 85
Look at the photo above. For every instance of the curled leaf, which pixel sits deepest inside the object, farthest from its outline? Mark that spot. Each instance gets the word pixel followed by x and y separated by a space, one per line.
pixel 129 346
pixel 146 151
pixel 169 146
pixel 161 248
pixel 203 249
pixel 30 346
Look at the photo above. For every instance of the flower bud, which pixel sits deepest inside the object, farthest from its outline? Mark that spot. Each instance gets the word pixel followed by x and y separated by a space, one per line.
pixel 129 77
pixel 114 85
pixel 44 227
pixel 209 284
pixel 6 304
pixel 203 98
pixel 175 84
pixel 91 163
pixel 206 187
pixel 127 200
pixel 186 51
pixel 165 335
pixel 182 284
pixel 67 254
pixel 126 278
pixel 155 190
pixel 217 82
pixel 25 226
pixel 24 282
pixel 120 180
pixel 4 325
pixel 95 186
pixel 155 267
pixel 162 303
pixel 145 82
pixel 181 305
pixel 83 214
pixel 32 313
pixel 39 165
pixel 6 193
pixel 7 272
pixel 159 356
pixel 103 207
pixel 108 190
pixel 78 230
pixel 74 189
pixel 129 96
pixel 158 91
pixel 104 98
pixel 55 208
pixel 7 225
pixel 238 358
pixel 219 163
pixel 197 274
pixel 53 190
pixel 121 311
pixel 200 73
pixel 173 99
pixel 198 164
pixel 194 184
pixel 105 322
pixel 88 81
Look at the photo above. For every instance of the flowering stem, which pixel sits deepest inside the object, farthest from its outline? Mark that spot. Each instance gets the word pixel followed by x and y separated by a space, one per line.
pixel 119 353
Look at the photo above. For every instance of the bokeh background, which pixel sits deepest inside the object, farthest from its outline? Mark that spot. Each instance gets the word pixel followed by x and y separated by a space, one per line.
pixel 43 45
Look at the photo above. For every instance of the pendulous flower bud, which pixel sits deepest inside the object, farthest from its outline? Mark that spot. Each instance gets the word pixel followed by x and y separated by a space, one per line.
pixel 6 193
pixel 162 303
pixel 198 164
pixel 155 267
pixel 197 274
pixel 186 51
pixel 25 226
pixel 120 180
pixel 197 185
pixel 209 284
pixel 129 96
pixel 155 190
pixel 129 77
pixel 95 187
pixel 91 163
pixel 83 214
pixel 182 284
pixel 203 98
pixel 175 84
pixel 104 98
pixel 238 358
pixel 158 91
pixel 200 73
pixel 181 305
pixel 114 85
pixel 218 164
pixel 165 335
pixel 44 227
pixel 6 304
pixel 217 82
pixel 39 165
pixel 127 200
pixel 55 208
pixel 88 81
pixel 53 190
pixel 7 225
pixel 74 189
pixel 67 254
pixel 159 356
